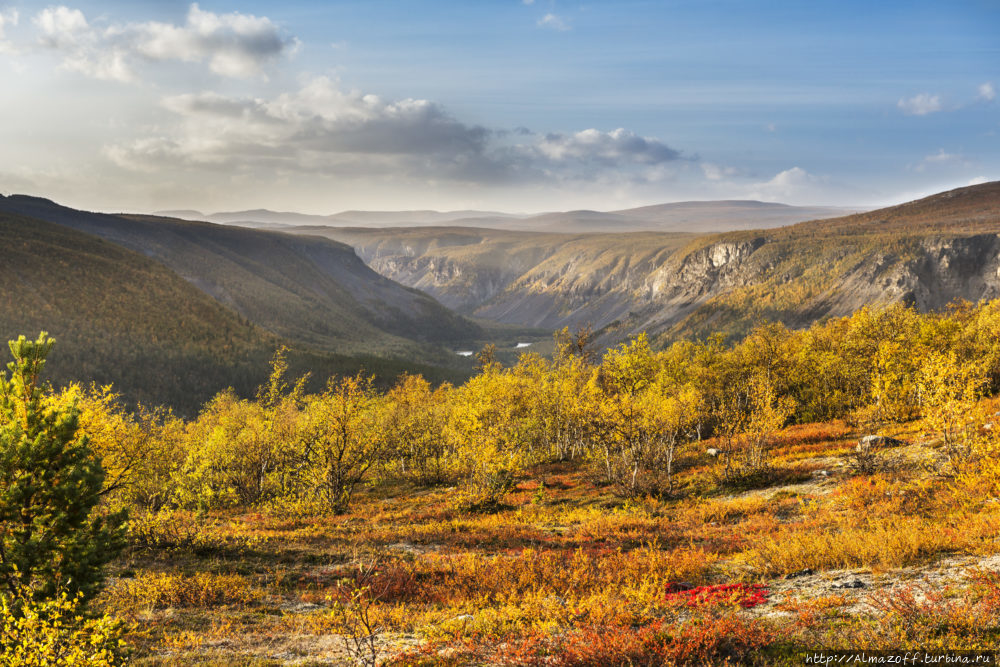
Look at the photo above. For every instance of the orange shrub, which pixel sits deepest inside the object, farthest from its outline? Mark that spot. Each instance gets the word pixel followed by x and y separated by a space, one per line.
pixel 160 590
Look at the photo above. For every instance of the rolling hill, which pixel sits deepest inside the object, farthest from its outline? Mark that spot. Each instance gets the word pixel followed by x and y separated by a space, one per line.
pixel 119 317
pixel 312 292
pixel 928 252
pixel 693 216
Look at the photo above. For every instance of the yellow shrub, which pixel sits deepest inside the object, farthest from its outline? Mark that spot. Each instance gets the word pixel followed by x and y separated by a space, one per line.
pixel 52 633
pixel 160 590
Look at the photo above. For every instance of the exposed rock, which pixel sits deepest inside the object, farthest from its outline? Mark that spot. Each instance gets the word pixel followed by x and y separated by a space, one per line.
pixel 869 442
pixel 855 583
pixel 801 573
pixel 712 451
pixel 663 284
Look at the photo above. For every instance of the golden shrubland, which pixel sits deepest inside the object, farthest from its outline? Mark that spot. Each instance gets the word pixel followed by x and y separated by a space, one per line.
pixel 545 512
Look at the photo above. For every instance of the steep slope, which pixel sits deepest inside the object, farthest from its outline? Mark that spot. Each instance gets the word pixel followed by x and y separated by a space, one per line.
pixel 929 253
pixel 121 318
pixel 311 291
pixel 461 267
pixel 521 278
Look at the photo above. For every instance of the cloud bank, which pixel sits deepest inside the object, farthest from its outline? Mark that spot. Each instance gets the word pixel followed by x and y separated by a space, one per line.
pixel 323 129
pixel 232 45
pixel 8 17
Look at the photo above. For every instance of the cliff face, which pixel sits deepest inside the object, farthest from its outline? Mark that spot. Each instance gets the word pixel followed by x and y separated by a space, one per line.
pixel 928 253
pixel 953 268
pixel 657 285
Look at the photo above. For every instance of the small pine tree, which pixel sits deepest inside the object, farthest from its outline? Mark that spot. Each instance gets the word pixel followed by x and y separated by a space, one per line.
pixel 50 483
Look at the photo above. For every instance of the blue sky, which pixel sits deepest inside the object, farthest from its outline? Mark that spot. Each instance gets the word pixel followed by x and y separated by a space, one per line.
pixel 512 105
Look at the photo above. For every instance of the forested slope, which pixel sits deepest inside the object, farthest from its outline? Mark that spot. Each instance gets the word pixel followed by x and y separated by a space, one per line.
pixel 311 291
pixel 125 319
pixel 121 318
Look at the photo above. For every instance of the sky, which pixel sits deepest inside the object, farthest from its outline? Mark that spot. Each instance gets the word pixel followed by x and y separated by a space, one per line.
pixel 509 105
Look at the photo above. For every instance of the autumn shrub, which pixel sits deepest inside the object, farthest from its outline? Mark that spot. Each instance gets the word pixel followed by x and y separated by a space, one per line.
pixel 55 633
pixel 641 417
pixel 492 436
pixel 183 530
pixel 909 618
pixel 879 542
pixel 747 418
pixel 738 594
pixel 887 495
pixel 950 392
pixel 342 438
pixel 702 640
pixel 161 590
pixel 418 447
pixel 239 453
pixel 643 572
pixel 140 451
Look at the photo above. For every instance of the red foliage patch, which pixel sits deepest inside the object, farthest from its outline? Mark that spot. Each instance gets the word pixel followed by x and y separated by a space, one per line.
pixel 727 639
pixel 744 595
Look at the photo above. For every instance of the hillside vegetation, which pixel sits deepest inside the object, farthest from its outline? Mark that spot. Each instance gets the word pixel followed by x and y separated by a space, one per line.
pixel 310 291
pixel 122 318
pixel 128 320
pixel 702 504
pixel 927 253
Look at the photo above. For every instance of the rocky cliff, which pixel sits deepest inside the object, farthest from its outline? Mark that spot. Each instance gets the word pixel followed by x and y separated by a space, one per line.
pixel 927 253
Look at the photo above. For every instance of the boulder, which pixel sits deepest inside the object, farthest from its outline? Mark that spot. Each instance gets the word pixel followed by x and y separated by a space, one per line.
pixel 801 573
pixel 870 442
pixel 712 451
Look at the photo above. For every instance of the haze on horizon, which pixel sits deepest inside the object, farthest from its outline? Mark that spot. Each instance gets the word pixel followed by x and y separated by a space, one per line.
pixel 514 105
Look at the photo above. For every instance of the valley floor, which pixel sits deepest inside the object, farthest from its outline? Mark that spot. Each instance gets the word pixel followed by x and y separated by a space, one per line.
pixel 820 556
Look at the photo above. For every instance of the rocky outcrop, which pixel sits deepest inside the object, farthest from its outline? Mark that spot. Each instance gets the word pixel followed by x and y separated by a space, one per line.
pixel 655 285
pixel 926 253
pixel 950 268
pixel 716 266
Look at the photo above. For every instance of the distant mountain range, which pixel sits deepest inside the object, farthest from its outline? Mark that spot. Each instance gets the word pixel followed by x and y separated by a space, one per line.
pixel 927 252
pixel 695 217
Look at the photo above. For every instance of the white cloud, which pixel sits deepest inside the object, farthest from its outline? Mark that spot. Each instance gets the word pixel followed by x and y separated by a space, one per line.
pixel 62 27
pixel 987 91
pixel 795 184
pixel 321 129
pixel 233 45
pixel 552 21
pixel 318 128
pixel 528 2
pixel 978 180
pixel 920 105
pixel 941 159
pixel 7 18
pixel 67 30
pixel 615 147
